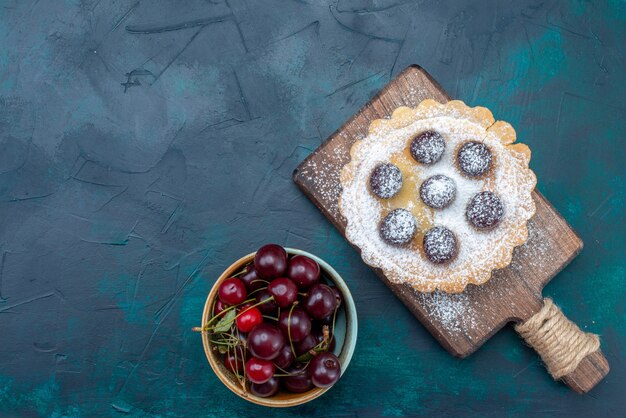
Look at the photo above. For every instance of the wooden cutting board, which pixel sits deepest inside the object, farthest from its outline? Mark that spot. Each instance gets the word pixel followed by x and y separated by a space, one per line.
pixel 461 322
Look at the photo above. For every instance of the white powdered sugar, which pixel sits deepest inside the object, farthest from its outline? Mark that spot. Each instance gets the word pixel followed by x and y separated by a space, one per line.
pixel 508 177
pixel 438 191
pixel 453 311
pixel 386 180
pixel 398 227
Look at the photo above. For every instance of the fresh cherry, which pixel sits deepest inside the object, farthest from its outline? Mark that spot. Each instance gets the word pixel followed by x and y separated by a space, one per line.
pixel 324 370
pixel 295 324
pixel 304 271
pixel 219 307
pixel 259 370
pixel 234 360
pixel 270 261
pixel 248 319
pixel 266 389
pixel 265 341
pixel 321 301
pixel 285 357
pixel 267 307
pixel 251 279
pixel 328 320
pixel 232 291
pixel 338 295
pixel 319 337
pixel 304 346
pixel 285 291
pixel 298 381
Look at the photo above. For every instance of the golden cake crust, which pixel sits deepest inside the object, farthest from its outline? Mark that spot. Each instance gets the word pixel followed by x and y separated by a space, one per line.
pixel 387 141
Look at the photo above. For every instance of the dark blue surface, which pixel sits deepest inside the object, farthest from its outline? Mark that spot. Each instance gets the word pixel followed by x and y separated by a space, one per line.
pixel 146 145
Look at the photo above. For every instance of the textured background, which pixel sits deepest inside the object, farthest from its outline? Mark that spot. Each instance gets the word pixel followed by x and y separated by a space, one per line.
pixel 147 144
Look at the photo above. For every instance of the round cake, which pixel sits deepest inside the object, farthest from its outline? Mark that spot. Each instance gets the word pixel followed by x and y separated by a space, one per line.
pixel 438 196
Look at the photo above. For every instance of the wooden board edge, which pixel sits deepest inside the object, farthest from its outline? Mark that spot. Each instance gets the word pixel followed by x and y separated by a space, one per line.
pixel 579 242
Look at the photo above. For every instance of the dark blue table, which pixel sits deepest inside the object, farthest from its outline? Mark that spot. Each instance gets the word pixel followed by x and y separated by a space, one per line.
pixel 146 145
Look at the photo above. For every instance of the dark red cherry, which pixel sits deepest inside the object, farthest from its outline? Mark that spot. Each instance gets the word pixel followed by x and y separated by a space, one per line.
pixel 285 357
pixel 284 290
pixel 270 261
pixel 338 295
pixel 307 344
pixel 298 381
pixel 265 341
pixel 232 291
pixel 321 301
pixel 234 360
pixel 324 321
pixel 219 307
pixel 324 370
pixel 251 279
pixel 304 271
pixel 295 324
pixel 259 370
pixel 267 307
pixel 267 389
pixel 248 319
pixel 319 337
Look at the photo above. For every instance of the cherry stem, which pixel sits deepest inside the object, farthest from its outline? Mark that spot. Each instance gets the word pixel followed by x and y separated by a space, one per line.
pixel 289 329
pixel 257 290
pixel 271 298
pixel 208 324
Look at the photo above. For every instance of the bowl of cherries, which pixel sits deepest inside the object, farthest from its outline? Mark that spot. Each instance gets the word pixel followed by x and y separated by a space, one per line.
pixel 279 327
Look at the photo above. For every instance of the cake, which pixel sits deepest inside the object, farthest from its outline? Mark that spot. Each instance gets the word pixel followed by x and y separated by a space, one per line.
pixel 438 196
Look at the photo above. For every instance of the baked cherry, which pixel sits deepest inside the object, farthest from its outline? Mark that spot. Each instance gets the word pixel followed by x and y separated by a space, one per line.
pixel 398 227
pixel 284 290
pixel 438 191
pixel 427 147
pixel 298 381
pixel 474 158
pixel 485 210
pixel 259 370
pixel 304 271
pixel 321 301
pixel 324 370
pixel 248 319
pixel 295 324
pixel 266 389
pixel 440 245
pixel 268 307
pixel 265 341
pixel 285 357
pixel 386 180
pixel 232 291
pixel 270 261
pixel 251 279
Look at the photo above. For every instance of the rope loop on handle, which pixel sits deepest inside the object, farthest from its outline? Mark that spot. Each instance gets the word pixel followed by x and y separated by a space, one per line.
pixel 559 341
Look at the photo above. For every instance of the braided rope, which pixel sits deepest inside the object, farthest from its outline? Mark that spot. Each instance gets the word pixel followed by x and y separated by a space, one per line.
pixel 559 341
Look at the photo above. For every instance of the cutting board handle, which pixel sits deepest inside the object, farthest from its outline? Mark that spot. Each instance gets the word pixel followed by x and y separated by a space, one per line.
pixel 569 354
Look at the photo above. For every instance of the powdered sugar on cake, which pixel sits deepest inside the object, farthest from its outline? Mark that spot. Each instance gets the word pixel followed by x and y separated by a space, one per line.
pixel 479 252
